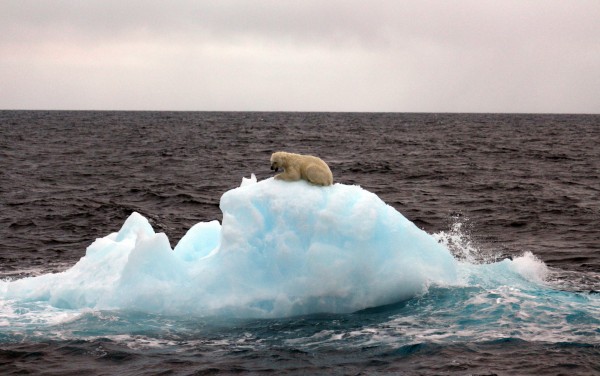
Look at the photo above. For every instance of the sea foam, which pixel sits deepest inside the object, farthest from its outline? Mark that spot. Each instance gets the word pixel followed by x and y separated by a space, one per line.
pixel 284 248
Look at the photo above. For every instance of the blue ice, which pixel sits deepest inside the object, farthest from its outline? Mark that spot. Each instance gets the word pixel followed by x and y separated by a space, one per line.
pixel 283 248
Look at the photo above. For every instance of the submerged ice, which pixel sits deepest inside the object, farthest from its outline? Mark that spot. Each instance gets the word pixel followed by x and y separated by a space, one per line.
pixel 282 249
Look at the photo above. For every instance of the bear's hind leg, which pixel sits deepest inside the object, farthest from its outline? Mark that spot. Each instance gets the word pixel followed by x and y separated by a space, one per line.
pixel 317 176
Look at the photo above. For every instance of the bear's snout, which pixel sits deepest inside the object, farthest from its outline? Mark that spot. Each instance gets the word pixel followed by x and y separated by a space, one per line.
pixel 274 167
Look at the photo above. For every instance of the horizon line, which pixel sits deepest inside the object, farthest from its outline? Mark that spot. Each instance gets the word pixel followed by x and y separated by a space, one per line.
pixel 313 111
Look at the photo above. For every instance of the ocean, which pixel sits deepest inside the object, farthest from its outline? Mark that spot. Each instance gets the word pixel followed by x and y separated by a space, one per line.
pixel 515 198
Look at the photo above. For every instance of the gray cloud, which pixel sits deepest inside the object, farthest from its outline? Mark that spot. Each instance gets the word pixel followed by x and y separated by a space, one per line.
pixel 509 56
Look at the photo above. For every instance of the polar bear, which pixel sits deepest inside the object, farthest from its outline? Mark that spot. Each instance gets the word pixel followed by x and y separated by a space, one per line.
pixel 298 166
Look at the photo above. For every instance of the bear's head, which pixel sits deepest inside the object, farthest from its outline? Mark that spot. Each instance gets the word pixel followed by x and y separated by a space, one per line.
pixel 278 160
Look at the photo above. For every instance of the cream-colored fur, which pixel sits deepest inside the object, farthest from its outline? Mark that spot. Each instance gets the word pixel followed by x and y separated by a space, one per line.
pixel 298 166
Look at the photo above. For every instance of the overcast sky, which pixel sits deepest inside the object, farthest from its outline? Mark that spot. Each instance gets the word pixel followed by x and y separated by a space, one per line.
pixel 305 55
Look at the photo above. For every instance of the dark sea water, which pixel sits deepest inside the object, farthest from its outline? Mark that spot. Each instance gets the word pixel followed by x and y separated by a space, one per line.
pixel 494 186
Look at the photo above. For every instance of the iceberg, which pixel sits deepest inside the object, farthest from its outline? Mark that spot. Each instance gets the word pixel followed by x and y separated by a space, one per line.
pixel 283 249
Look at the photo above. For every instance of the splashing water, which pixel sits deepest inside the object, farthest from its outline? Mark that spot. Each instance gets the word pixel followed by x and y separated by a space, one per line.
pixel 289 249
